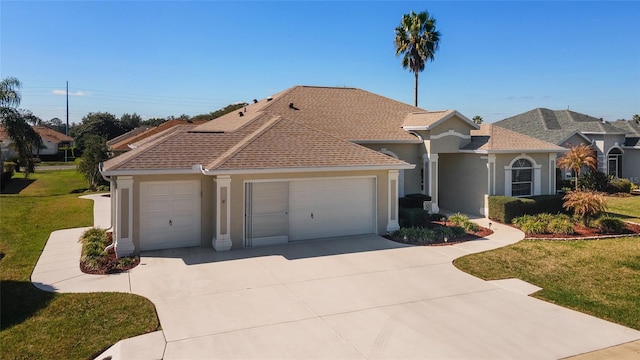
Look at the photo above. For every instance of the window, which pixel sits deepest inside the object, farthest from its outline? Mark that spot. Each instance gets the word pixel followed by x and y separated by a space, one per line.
pixel 615 162
pixel 522 178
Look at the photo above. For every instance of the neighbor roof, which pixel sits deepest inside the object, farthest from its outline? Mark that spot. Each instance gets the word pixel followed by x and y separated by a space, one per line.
pixel 44 132
pixel 491 138
pixel 122 142
pixel 556 125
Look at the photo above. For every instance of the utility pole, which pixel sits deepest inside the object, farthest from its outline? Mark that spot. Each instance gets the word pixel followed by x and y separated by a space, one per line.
pixel 67 128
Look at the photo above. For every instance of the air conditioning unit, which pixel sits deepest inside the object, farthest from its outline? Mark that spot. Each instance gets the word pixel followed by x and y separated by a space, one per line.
pixel 426 205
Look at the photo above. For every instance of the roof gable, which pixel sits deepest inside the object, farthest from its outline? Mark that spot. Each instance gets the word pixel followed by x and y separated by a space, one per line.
pixel 492 138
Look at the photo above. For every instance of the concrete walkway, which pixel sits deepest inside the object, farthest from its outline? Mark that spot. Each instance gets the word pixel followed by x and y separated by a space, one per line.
pixel 360 297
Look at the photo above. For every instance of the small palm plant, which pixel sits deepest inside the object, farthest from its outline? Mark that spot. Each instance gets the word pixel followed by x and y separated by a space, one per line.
pixel 585 204
pixel 576 158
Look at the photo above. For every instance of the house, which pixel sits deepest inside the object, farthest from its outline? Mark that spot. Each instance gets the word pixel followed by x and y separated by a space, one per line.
pixel 127 141
pixel 309 163
pixel 617 144
pixel 52 141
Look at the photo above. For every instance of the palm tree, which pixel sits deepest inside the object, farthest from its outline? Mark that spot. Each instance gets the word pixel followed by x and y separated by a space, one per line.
pixel 22 135
pixel 636 118
pixel 418 40
pixel 576 158
pixel 477 119
pixel 9 95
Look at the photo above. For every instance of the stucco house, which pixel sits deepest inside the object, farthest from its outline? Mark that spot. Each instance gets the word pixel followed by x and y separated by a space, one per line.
pixel 309 163
pixel 617 144
pixel 52 141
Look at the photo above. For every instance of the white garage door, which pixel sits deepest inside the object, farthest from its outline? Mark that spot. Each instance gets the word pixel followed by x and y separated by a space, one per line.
pixel 169 214
pixel 329 208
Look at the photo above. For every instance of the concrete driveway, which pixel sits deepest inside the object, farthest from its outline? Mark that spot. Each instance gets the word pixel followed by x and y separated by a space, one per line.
pixel 360 297
pixel 357 297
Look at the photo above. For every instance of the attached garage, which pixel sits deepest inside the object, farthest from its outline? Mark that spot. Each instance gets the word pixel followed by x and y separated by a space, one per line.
pixel 169 214
pixel 293 210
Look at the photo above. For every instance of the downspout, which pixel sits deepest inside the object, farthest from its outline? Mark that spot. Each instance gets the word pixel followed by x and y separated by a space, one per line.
pixel 112 189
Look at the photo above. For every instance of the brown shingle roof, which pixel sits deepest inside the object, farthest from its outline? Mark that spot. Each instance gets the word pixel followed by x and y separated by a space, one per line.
pixel 493 138
pixel 123 144
pixel 44 132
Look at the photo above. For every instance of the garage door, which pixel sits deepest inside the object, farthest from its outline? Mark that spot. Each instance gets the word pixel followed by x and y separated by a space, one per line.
pixel 169 214
pixel 330 208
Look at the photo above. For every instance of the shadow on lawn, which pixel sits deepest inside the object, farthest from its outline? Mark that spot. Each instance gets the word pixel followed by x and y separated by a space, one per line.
pixel 16 185
pixel 20 300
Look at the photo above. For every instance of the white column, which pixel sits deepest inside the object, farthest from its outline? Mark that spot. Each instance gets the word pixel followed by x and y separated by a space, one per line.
pixel 552 173
pixel 392 208
pixel 537 179
pixel 433 183
pixel 507 181
pixel 222 238
pixel 425 174
pixel 124 216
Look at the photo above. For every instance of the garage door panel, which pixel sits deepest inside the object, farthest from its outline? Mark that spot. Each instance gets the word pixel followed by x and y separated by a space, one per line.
pixel 329 208
pixel 170 214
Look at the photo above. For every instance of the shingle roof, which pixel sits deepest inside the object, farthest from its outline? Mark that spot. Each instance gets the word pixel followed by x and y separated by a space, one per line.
pixel 44 132
pixel 125 141
pixel 492 138
pixel 555 125
pixel 347 113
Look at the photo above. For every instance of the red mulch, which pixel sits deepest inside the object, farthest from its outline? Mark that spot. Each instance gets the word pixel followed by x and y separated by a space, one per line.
pixel 586 232
pixel 109 264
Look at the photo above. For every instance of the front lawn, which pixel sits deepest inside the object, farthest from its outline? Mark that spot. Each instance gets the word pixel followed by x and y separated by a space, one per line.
pixel 36 324
pixel 597 277
pixel 627 208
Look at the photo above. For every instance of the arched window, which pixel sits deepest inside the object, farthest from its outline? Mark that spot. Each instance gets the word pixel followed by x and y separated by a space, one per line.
pixel 522 178
pixel 614 161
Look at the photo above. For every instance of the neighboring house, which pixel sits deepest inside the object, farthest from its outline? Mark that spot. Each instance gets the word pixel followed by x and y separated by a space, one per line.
pixel 617 144
pixel 52 141
pixel 313 162
pixel 126 141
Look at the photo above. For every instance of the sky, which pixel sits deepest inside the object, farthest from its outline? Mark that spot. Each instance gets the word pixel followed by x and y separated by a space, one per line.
pixel 160 58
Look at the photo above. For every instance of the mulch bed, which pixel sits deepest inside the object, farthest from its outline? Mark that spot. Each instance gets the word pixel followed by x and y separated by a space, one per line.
pixel 481 233
pixel 109 264
pixel 586 232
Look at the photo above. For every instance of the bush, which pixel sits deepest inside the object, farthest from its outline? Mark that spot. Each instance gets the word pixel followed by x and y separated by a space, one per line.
pixel 415 235
pixel 618 185
pixel 505 208
pixel 463 222
pixel 610 224
pixel 561 225
pixel 414 201
pixel 534 226
pixel 94 241
pixel 585 204
pixel 594 180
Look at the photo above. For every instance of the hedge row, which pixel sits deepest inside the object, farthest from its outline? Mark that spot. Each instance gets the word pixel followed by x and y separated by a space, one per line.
pixel 506 208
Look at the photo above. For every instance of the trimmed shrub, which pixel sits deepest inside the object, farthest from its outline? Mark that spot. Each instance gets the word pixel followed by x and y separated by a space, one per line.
pixel 610 224
pixel 505 208
pixel 413 201
pixel 415 235
pixel 458 219
pixel 618 185
pixel 534 226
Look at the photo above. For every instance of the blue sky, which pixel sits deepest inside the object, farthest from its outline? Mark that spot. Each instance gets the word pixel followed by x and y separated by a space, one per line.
pixel 157 58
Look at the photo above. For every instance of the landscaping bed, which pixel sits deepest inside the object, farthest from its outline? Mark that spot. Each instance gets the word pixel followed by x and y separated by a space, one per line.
pixel 95 260
pixel 455 230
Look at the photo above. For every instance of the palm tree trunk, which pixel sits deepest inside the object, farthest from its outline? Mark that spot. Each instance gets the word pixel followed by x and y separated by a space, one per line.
pixel 415 90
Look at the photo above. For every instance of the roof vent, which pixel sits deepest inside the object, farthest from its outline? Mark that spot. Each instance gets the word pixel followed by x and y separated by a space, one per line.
pixel 255 101
pixel 241 114
pixel 269 98
pixel 291 106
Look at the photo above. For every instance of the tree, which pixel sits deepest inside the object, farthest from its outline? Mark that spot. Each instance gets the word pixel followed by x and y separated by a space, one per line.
pixel 636 118
pixel 578 157
pixel 417 40
pixel 95 152
pixel 56 124
pixel 22 135
pixel 585 204
pixel 129 122
pixel 215 114
pixel 477 119
pixel 102 124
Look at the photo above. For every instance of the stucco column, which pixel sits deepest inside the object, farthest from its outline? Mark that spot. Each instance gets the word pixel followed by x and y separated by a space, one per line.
pixel 537 179
pixel 124 216
pixel 425 174
pixel 222 238
pixel 392 208
pixel 433 183
pixel 552 173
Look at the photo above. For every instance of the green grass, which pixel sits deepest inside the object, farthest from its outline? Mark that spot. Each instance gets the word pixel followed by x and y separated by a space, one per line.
pixel 627 208
pixel 57 326
pixel 601 278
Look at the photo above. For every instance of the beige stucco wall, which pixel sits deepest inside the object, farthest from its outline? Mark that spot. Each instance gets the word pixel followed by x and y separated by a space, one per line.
pixel 449 142
pixel 462 182
pixel 631 165
pixel 411 153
